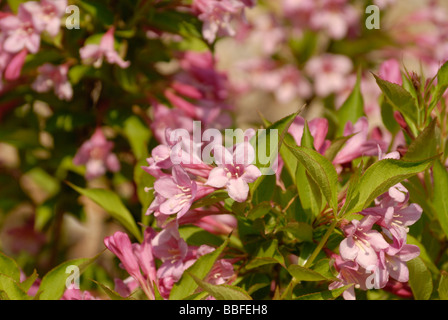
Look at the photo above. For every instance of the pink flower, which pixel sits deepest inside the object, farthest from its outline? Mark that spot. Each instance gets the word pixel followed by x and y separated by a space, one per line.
pixel 96 154
pixel 390 71
pixel 95 54
pixel 334 17
pixel 362 243
pixel 234 171
pixel 166 118
pixel 349 273
pixel 15 65
pixel 20 32
pixel 47 14
pixel 76 294
pixel 395 263
pixel 51 76
pixel 217 16
pixel 358 145
pixel 177 192
pixel 318 128
pixel 137 259
pixel 329 72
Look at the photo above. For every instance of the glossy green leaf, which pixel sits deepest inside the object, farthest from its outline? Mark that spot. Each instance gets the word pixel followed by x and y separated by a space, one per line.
pixel 321 171
pixel 112 203
pixel 424 146
pixel 304 274
pixel 223 292
pixel 443 286
pixel 420 279
pixel 9 267
pixel 352 109
pixel 12 289
pixel 440 198
pixel 379 177
pixel 400 99
pixel 54 283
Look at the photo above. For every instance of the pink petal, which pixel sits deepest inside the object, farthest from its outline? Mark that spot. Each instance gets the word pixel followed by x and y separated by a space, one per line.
pixel 217 178
pixel 251 173
pixel 238 189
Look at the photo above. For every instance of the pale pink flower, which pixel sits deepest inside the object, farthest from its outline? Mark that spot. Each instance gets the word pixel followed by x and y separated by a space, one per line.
pixel 136 259
pixel 235 170
pixel 96 154
pixel 390 71
pixel 335 18
pixel 55 77
pixel 47 14
pixel 318 128
pixel 395 263
pixel 217 17
pixel 20 32
pixel 362 244
pixel 95 54
pixel 358 145
pixel 177 192
pixel 329 72
pixel 350 273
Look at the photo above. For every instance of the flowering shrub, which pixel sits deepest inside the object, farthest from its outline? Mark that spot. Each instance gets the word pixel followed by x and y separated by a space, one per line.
pixel 126 172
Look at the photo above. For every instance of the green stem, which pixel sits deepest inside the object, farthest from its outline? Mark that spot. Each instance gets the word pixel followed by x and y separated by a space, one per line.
pixel 321 244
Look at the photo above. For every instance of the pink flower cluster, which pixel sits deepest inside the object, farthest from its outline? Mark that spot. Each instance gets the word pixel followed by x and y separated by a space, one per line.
pixel 21 34
pixel 217 16
pixel 375 249
pixel 336 18
pixel 175 256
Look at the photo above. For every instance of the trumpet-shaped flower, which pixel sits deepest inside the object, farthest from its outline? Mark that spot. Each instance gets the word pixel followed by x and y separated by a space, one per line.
pixel 234 171
pixel 95 54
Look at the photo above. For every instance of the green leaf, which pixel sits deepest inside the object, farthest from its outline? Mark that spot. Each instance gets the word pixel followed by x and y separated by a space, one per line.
pixel 420 279
pixel 267 145
pixel 379 177
pixel 443 286
pixel 267 253
pixel 309 193
pixel 110 293
pixel 53 284
pixel 26 284
pixel 321 170
pixel 112 203
pixel 440 198
pixel 12 289
pixel 186 286
pixel 324 295
pixel 442 85
pixel 400 99
pixel 423 254
pixel 223 292
pixel 9 267
pixel 138 135
pixel 304 274
pixel 307 138
pixel 425 145
pixel 387 116
pixel 352 109
pixel 300 230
